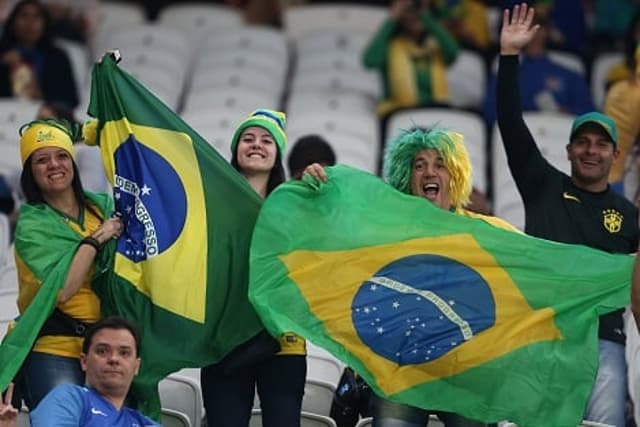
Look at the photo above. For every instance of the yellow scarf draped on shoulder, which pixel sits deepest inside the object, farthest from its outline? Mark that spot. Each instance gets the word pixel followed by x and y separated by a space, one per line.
pixel 402 73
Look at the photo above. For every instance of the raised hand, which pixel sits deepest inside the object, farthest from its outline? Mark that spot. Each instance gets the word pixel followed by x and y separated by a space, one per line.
pixel 517 31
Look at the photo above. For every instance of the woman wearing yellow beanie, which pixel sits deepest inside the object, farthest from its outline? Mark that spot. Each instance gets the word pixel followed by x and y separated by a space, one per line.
pixel 257 150
pixel 59 221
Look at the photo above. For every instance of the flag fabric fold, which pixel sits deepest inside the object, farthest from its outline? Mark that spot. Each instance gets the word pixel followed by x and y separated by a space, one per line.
pixel 432 308
pixel 180 269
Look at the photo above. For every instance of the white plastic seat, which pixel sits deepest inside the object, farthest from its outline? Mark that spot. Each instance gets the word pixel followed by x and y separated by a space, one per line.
pixel 364 126
pixel 306 420
pixel 158 81
pixel 216 126
pixel 172 418
pixel 154 57
pixel 344 60
pixel 332 40
pixel 183 394
pixel 233 77
pixel 169 40
pixel 249 39
pixel 5 239
pixel 467 80
pixel 599 71
pixel 338 81
pixel 318 396
pixel 470 125
pixel 238 100
pixel 304 19
pixel 13 114
pixel 309 101
pixel 116 14
pixel 551 132
pixel 198 19
pixel 262 60
pixel 325 368
pixel 8 305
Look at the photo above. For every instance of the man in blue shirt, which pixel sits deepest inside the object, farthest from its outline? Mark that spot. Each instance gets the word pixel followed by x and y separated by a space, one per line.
pixel 110 361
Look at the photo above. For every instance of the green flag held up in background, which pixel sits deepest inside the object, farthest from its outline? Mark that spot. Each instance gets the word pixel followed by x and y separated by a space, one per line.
pixel 434 309
pixel 181 266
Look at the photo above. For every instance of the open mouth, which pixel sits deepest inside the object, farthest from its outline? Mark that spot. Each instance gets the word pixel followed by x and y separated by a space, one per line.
pixel 431 190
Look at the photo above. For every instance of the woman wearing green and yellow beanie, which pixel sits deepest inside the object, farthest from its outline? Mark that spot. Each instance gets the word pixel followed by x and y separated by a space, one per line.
pixel 257 149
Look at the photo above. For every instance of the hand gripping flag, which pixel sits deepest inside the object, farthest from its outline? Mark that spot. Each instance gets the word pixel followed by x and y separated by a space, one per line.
pixel 432 308
pixel 181 267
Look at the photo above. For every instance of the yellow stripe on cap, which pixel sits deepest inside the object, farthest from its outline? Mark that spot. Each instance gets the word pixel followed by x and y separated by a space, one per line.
pixel 39 134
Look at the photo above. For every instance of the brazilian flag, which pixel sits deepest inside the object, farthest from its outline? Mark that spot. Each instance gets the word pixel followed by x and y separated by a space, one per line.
pixel 181 266
pixel 435 309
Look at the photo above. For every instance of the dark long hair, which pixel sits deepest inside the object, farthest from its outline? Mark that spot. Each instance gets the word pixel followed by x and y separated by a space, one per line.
pixel 276 176
pixel 32 192
pixel 9 39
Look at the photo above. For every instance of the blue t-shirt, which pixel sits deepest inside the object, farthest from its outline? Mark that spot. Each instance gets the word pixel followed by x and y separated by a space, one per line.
pixel 71 405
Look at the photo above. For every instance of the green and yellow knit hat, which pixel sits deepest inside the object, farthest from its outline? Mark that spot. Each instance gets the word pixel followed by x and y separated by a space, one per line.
pixel 402 150
pixel 271 120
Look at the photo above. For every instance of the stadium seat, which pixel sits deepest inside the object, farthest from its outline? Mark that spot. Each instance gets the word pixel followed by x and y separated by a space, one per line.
pixel 116 14
pixel 368 422
pixel 306 420
pixel 172 418
pixel 324 368
pixel 198 19
pixel 599 70
pixel 167 40
pixel 467 80
pixel 308 101
pixel 551 132
pixel 215 126
pixel 353 137
pixel 470 125
pixel 305 19
pixel 568 60
pixel 346 40
pixel 249 39
pixel 238 100
pixel 318 396
pixel 8 308
pixel 13 114
pixel 335 80
pixel 235 77
pixel 181 393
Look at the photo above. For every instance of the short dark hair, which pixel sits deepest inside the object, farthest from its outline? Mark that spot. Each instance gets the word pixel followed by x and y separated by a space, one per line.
pixel 33 194
pixel 310 149
pixel 276 176
pixel 111 322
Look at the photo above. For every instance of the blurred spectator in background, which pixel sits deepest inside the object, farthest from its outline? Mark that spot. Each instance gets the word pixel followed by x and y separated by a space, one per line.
pixel 544 84
pixel 411 50
pixel 609 22
pixel 31 67
pixel 309 149
pixel 467 20
pixel 74 20
pixel 622 104
pixel 625 70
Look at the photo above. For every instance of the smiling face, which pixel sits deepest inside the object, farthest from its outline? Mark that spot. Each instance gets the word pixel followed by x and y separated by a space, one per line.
pixel 591 154
pixel 431 179
pixel 52 169
pixel 111 362
pixel 257 151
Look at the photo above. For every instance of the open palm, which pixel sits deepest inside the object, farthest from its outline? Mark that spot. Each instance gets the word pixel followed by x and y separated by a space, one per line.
pixel 517 30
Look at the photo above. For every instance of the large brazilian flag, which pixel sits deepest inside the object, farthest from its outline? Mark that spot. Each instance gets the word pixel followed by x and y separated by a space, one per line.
pixel 435 309
pixel 181 267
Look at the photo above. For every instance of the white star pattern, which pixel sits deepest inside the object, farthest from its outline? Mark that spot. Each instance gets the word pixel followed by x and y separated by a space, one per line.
pixel 145 190
pixel 395 304
pixel 117 195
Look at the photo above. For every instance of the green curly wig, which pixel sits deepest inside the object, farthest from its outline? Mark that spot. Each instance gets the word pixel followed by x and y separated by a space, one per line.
pixel 402 150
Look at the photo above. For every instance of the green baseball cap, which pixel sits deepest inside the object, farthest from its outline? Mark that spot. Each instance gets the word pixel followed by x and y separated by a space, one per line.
pixel 605 122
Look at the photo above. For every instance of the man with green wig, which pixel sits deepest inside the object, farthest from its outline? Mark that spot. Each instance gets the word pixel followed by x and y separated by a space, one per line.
pixel 432 163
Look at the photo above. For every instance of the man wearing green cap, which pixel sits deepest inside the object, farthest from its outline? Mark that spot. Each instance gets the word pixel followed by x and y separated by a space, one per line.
pixel 577 209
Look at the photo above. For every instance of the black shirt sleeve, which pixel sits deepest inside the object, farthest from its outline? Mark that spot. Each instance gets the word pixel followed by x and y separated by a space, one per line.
pixel 527 165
